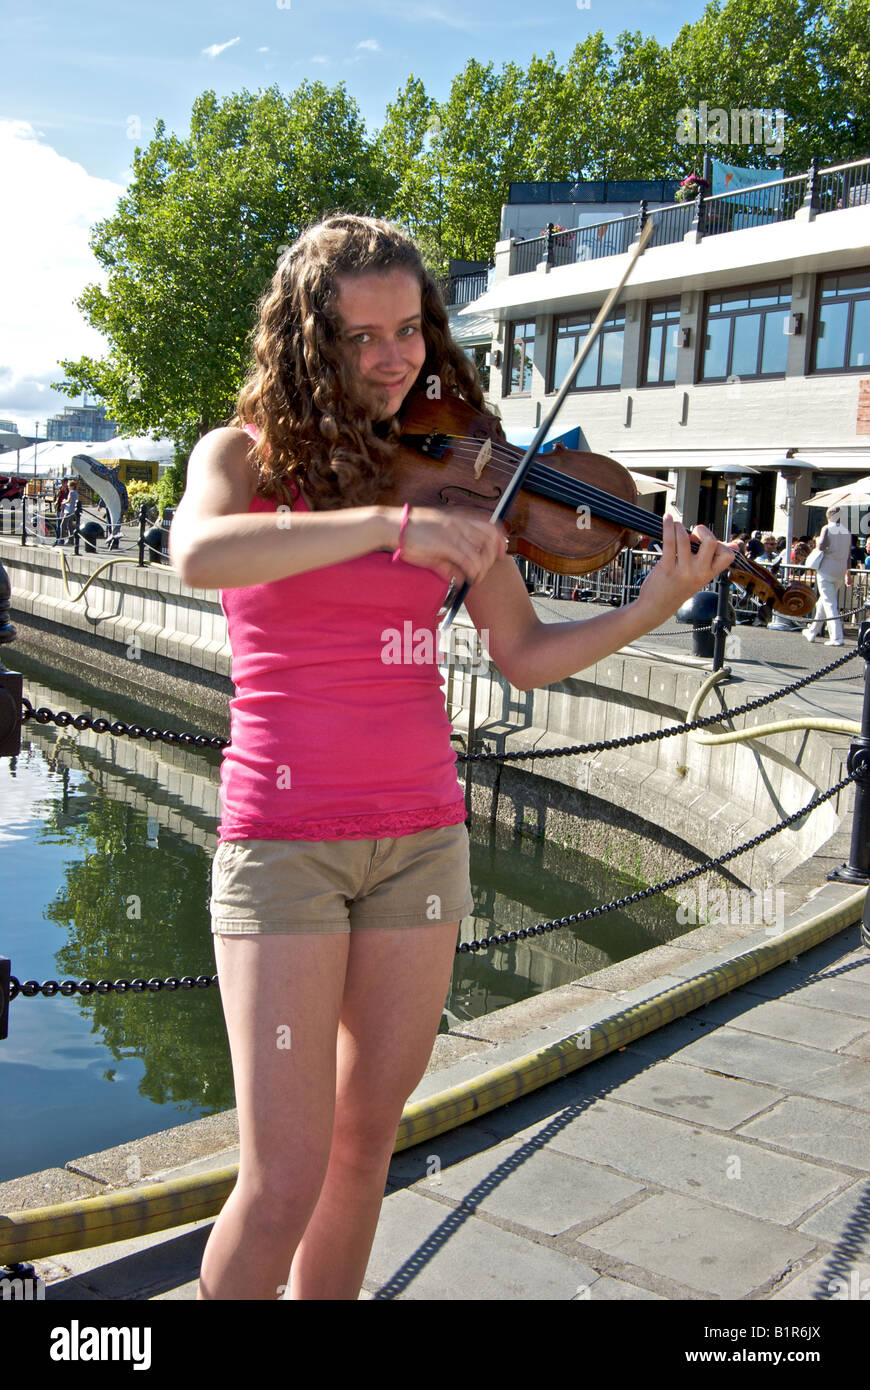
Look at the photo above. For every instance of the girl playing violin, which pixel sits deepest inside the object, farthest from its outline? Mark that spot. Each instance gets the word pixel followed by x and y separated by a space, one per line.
pixel 341 872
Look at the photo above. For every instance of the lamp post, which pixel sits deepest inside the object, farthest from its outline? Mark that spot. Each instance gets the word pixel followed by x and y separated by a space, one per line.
pixel 790 469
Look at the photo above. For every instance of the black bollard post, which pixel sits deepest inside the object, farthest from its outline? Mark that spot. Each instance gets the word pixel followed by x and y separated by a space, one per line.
pixel 858 868
pixel 720 625
pixel 10 681
pixel 5 976
pixel 700 610
pixel 142 535
pixel 20 1283
pixel 77 520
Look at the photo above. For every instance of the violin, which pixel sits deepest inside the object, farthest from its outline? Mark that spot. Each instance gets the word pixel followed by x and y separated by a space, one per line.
pixel 574 512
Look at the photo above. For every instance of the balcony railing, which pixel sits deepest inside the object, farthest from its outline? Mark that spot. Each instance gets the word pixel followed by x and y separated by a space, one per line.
pixel 844 186
pixel 462 289
pixel 824 190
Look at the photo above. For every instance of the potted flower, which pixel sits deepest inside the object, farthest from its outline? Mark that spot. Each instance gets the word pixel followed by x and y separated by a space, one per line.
pixel 688 189
pixel 563 242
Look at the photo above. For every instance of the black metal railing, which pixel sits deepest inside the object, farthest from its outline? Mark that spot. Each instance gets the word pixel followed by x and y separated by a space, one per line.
pixel 754 207
pixel 824 190
pixel 844 186
pixel 461 289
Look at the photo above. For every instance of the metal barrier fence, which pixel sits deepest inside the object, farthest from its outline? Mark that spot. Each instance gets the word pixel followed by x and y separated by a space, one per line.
pixel 618 583
pixel 36 526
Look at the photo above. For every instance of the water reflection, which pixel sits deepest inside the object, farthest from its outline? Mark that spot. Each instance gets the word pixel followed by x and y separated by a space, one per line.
pixel 105 874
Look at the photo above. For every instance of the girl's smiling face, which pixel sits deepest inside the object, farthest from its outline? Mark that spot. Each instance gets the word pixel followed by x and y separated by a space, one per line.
pixel 382 335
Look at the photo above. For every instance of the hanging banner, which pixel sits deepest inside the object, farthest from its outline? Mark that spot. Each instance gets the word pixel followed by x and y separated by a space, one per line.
pixel 757 207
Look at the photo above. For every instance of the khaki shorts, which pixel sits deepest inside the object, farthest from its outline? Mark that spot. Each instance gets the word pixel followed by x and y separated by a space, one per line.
pixel 341 885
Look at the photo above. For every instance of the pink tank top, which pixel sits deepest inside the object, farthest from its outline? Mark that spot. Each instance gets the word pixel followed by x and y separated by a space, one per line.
pixel 338 726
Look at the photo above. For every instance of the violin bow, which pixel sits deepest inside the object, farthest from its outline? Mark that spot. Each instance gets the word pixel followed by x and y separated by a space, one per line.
pixel 544 428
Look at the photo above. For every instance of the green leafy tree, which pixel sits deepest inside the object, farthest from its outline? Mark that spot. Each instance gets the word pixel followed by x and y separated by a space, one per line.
pixel 408 146
pixel 806 58
pixel 195 240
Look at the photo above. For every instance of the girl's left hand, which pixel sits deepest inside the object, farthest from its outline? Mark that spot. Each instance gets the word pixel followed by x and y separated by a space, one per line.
pixel 680 572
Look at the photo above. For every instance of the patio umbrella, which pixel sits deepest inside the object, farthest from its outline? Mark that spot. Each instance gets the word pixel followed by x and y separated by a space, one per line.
pixel 645 484
pixel 855 494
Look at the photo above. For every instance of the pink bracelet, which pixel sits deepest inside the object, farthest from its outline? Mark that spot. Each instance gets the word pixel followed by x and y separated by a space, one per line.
pixel 397 553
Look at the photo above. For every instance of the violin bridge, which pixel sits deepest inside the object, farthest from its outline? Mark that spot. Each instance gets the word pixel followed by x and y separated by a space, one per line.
pixel 483 458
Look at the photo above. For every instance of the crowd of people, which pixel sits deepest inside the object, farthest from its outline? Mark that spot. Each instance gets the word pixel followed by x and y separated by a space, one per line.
pixel 769 549
pixel 830 556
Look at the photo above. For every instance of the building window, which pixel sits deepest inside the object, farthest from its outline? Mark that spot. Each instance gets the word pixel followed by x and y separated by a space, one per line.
pixel 842 338
pixel 662 326
pixel 521 348
pixel 745 332
pixel 603 366
pixel 478 354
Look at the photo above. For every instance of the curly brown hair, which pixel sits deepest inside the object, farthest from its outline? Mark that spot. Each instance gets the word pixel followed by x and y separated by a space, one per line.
pixel 313 426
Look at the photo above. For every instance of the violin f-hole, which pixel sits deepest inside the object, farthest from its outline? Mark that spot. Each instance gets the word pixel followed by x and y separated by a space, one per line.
pixel 447 494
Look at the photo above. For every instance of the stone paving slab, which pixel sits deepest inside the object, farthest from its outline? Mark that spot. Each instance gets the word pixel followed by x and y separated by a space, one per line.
pixel 817 1129
pixel 139 1268
pixel 845 1220
pixel 824 1279
pixel 859 1048
pixel 722 1254
pixel 791 1066
pixel 607 1290
pixel 851 999
pixel 717 1101
pixel 425 1249
pixel 788 1021
pixel 681 1157
pixel 545 1192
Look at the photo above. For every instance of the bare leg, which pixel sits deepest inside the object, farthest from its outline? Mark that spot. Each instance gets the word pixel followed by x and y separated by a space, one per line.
pixel 281 996
pixel 392 1006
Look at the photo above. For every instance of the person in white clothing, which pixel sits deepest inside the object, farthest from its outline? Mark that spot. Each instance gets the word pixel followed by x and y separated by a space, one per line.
pixel 836 543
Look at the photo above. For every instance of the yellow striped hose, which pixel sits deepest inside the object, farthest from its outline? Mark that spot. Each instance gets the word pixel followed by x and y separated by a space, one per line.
pixel 781 726
pixel 158 1206
pixel 74 598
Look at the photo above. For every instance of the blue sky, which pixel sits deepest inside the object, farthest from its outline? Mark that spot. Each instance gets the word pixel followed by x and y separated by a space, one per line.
pixel 84 83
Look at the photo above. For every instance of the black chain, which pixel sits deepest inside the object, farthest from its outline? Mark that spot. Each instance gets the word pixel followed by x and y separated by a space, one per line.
pixel 138 986
pixel 685 631
pixel 117 726
pixel 63 718
pixel 51 987
pixel 504 937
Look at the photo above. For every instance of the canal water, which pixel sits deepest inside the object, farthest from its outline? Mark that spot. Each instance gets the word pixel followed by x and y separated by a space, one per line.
pixel 105 858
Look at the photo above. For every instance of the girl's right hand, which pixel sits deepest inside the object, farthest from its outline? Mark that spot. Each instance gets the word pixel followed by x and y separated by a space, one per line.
pixel 458 543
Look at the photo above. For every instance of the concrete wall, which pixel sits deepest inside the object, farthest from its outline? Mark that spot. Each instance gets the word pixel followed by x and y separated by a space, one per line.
pixel 145 632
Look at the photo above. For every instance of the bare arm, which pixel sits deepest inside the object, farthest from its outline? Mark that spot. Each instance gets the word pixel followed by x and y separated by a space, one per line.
pixel 214 543
pixel 532 654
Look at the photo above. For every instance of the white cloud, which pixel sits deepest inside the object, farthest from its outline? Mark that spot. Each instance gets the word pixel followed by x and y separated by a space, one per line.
pixel 217 48
pixel 370 44
pixel 262 50
pixel 320 58
pixel 44 234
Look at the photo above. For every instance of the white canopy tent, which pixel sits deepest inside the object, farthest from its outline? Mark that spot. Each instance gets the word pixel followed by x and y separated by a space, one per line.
pixel 53 458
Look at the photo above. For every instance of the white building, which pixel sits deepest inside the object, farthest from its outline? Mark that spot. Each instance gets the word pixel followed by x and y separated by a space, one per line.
pixel 742 336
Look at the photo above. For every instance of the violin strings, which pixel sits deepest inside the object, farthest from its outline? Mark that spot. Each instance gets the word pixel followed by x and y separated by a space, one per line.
pixel 611 508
